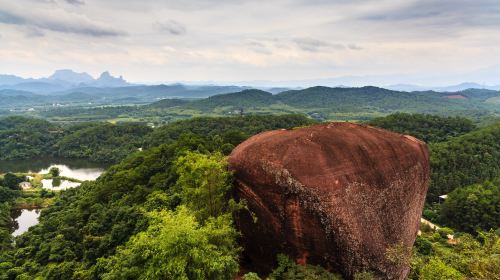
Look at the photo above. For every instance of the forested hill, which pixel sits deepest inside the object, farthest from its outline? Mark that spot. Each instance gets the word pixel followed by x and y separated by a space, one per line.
pixel 24 138
pixel 243 99
pixel 325 100
pixel 461 154
pixel 162 104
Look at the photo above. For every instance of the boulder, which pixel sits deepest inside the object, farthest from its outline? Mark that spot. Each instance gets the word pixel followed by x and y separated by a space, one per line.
pixel 340 195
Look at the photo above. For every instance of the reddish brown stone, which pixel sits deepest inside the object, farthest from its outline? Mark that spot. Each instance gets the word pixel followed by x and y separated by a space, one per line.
pixel 335 194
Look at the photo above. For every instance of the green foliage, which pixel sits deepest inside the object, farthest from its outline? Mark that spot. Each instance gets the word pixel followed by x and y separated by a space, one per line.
pixel 22 138
pixel 232 130
pixel 435 269
pixel 465 160
pixel 5 225
pixel 164 213
pixel 102 142
pixel 460 156
pixel 176 246
pixel 236 101
pixel 289 270
pixel 368 98
pixel 251 276
pixel 12 181
pixel 423 246
pixel 466 257
pixel 54 171
pixel 204 183
pixel 473 207
pixel 430 128
pixel 25 138
pixel 90 223
pixel 399 254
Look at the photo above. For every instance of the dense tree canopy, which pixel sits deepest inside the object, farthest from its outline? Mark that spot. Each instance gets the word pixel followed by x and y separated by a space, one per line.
pixel 460 155
pixel 429 128
pixel 102 142
pixel 471 208
pixel 468 159
pixel 26 138
pixel 232 130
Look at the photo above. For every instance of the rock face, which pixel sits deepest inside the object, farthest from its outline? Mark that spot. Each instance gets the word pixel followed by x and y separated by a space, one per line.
pixel 338 195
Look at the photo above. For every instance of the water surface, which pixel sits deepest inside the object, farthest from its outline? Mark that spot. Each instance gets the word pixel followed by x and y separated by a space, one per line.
pixel 24 219
pixel 78 169
pixel 74 168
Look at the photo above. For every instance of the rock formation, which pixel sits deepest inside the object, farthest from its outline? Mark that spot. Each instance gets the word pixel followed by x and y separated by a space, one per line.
pixel 339 195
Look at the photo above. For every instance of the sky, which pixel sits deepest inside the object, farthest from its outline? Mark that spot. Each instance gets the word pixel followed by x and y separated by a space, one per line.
pixel 380 42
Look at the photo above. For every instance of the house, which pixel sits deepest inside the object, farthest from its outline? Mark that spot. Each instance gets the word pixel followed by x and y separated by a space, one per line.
pixel 25 185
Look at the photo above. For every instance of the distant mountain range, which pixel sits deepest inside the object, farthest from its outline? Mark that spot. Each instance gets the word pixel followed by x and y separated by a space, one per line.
pixel 66 80
pixel 452 88
pixel 61 80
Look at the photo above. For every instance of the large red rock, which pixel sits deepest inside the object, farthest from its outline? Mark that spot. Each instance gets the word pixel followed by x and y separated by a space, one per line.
pixel 338 195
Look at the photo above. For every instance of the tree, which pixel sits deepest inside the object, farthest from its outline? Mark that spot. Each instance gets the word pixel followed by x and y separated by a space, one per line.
pixel 12 181
pixel 204 183
pixel 176 246
pixel 473 207
pixel 288 270
pixel 438 270
pixel 54 171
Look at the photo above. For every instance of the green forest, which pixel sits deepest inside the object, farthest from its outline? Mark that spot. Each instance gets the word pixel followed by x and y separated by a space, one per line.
pixel 165 104
pixel 164 209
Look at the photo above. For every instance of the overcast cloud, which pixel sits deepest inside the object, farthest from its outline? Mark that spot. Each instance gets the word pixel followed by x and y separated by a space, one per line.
pixel 398 41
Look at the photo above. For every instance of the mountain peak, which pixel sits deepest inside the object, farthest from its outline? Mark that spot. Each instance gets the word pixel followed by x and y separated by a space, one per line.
pixel 107 80
pixel 70 76
pixel 105 75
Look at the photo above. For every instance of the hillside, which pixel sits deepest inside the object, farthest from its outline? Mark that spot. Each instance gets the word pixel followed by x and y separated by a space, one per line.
pixel 158 197
pixel 237 100
pixel 24 138
pixel 461 154
pixel 324 103
pixel 465 160
pixel 165 103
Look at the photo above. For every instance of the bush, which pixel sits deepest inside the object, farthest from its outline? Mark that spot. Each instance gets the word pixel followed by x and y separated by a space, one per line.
pixel 251 276
pixel 438 270
pixel 289 270
pixel 473 207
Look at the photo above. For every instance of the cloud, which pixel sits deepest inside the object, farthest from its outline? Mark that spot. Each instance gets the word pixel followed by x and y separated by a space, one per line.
pixel 75 2
pixel 354 47
pixel 314 45
pixel 259 47
pixel 32 32
pixel 55 20
pixel 443 14
pixel 172 27
pixel 244 39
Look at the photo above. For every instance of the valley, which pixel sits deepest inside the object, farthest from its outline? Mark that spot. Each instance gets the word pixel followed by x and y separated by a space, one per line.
pixel 163 104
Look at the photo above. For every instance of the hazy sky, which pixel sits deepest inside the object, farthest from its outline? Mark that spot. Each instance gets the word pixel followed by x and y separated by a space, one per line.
pixel 397 41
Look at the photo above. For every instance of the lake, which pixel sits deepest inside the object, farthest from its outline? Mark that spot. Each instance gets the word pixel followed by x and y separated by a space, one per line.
pixel 24 219
pixel 78 169
pixel 74 168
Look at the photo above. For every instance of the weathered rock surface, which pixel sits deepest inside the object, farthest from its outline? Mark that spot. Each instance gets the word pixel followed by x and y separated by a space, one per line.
pixel 337 194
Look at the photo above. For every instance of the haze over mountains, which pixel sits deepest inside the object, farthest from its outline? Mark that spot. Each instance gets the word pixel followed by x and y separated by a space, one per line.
pixel 65 80
pixel 59 81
